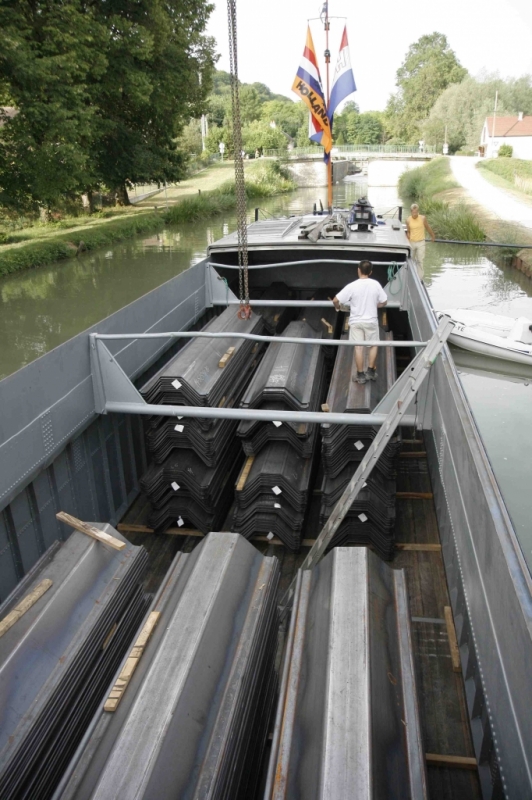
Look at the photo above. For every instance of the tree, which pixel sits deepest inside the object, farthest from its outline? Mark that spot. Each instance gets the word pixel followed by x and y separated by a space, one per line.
pixel 365 128
pixel 258 134
pixel 287 115
pixel 51 54
pixel 102 91
pixel 463 108
pixel 159 74
pixel 430 66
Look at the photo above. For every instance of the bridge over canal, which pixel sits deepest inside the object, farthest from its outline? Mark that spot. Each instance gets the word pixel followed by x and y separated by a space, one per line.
pixel 308 169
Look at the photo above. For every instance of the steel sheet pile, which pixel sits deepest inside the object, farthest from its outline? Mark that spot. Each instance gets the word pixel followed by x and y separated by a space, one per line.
pixel 193 720
pixel 371 518
pixel 272 490
pixel 57 660
pixel 347 720
pixel 193 483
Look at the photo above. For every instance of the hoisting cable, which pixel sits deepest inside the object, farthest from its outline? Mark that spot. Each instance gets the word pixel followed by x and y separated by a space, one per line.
pixel 244 311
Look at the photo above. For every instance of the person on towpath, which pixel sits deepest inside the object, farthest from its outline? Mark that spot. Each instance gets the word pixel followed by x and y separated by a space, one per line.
pixel 416 225
pixel 364 297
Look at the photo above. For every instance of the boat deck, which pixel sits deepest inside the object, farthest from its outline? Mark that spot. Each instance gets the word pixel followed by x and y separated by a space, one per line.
pixel 442 702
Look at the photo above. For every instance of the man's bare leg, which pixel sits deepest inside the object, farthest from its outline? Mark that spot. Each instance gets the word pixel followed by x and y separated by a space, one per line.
pixel 359 358
pixel 372 360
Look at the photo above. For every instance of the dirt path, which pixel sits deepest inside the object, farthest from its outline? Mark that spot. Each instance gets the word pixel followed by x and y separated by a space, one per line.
pixel 490 197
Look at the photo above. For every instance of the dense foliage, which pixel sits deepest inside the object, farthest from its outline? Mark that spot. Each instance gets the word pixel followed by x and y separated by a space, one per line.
pixel 430 66
pixel 463 108
pixel 102 91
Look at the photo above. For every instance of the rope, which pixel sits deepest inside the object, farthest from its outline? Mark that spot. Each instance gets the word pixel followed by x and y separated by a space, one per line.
pixel 240 187
pixel 393 274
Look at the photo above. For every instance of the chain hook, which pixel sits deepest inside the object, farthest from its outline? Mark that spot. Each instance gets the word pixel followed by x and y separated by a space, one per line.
pixel 244 312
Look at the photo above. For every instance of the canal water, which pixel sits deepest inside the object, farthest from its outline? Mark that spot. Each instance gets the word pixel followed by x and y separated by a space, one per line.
pixel 40 309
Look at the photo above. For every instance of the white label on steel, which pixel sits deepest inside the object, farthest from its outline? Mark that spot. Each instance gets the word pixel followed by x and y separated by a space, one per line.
pixel 269 535
pixel 179 428
pixel 180 417
pixel 176 384
pixel 277 423
pixel 276 490
pixel 362 517
pixel 180 522
pixel 359 445
pixel 277 505
pixel 175 486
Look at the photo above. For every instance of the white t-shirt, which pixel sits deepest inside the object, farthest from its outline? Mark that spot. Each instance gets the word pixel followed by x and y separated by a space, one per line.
pixel 362 296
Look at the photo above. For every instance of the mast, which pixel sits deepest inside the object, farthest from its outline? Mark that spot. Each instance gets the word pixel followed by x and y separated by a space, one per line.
pixel 327 25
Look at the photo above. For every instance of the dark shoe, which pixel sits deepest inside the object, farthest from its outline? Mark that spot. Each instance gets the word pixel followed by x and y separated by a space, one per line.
pixel 360 377
pixel 371 374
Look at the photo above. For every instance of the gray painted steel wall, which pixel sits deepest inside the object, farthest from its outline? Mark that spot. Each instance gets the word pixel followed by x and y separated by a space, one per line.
pixel 489 582
pixel 54 450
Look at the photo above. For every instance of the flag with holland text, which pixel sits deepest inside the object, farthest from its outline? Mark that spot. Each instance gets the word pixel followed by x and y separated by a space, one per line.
pixel 307 86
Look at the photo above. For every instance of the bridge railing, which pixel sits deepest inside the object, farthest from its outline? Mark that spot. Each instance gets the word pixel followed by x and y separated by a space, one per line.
pixel 410 149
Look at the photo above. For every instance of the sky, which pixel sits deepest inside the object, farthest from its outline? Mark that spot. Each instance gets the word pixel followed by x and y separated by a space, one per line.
pixel 486 37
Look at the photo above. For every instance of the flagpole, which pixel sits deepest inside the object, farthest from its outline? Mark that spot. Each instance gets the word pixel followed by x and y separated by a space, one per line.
pixel 327 65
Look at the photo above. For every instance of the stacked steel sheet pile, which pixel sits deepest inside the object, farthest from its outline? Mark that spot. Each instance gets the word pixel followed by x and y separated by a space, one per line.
pixel 191 482
pixel 272 490
pixel 371 518
pixel 193 720
pixel 58 658
pixel 347 722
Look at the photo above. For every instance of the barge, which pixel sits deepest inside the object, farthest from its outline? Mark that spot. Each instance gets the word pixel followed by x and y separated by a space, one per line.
pixel 72 439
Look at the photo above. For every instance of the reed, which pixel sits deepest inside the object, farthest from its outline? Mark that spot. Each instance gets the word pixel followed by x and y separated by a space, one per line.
pixel 448 221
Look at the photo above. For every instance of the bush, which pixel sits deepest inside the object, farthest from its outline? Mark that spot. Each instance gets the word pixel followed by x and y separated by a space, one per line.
pixel 505 151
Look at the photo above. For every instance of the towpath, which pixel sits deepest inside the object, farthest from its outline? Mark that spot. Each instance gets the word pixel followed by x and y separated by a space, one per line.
pixel 495 200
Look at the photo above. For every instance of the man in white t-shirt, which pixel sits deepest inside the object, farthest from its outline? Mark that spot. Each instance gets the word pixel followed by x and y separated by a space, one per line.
pixel 364 297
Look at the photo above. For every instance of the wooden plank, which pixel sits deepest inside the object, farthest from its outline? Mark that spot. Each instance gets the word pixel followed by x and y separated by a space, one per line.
pixel 25 604
pixel 414 495
pixel 246 469
pixel 89 530
pixel 325 407
pixel 453 642
pixel 420 454
pixel 226 357
pixel 429 548
pixel 460 762
pixel 123 528
pixel 122 682
pixel 327 325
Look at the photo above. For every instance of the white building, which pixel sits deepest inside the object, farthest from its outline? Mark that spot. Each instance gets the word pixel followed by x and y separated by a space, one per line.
pixel 515 131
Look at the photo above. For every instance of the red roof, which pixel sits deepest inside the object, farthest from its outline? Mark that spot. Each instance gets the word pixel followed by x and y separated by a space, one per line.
pixel 510 126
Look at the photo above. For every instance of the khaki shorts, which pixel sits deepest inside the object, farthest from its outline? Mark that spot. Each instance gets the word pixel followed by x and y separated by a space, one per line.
pixel 364 330
pixel 418 254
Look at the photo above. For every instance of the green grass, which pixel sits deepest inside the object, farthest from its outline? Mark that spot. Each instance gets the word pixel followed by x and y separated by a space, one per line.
pixel 264 180
pixel 426 181
pixel 516 172
pixel 448 221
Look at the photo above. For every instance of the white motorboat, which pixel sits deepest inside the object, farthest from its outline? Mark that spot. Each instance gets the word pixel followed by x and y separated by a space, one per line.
pixel 491 334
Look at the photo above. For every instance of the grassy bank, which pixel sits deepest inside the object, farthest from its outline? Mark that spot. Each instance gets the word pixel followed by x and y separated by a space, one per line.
pixel 427 186
pixel 49 243
pixel 512 173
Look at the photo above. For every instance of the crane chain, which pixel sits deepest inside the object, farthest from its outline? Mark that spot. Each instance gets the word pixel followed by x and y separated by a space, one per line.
pixel 240 186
